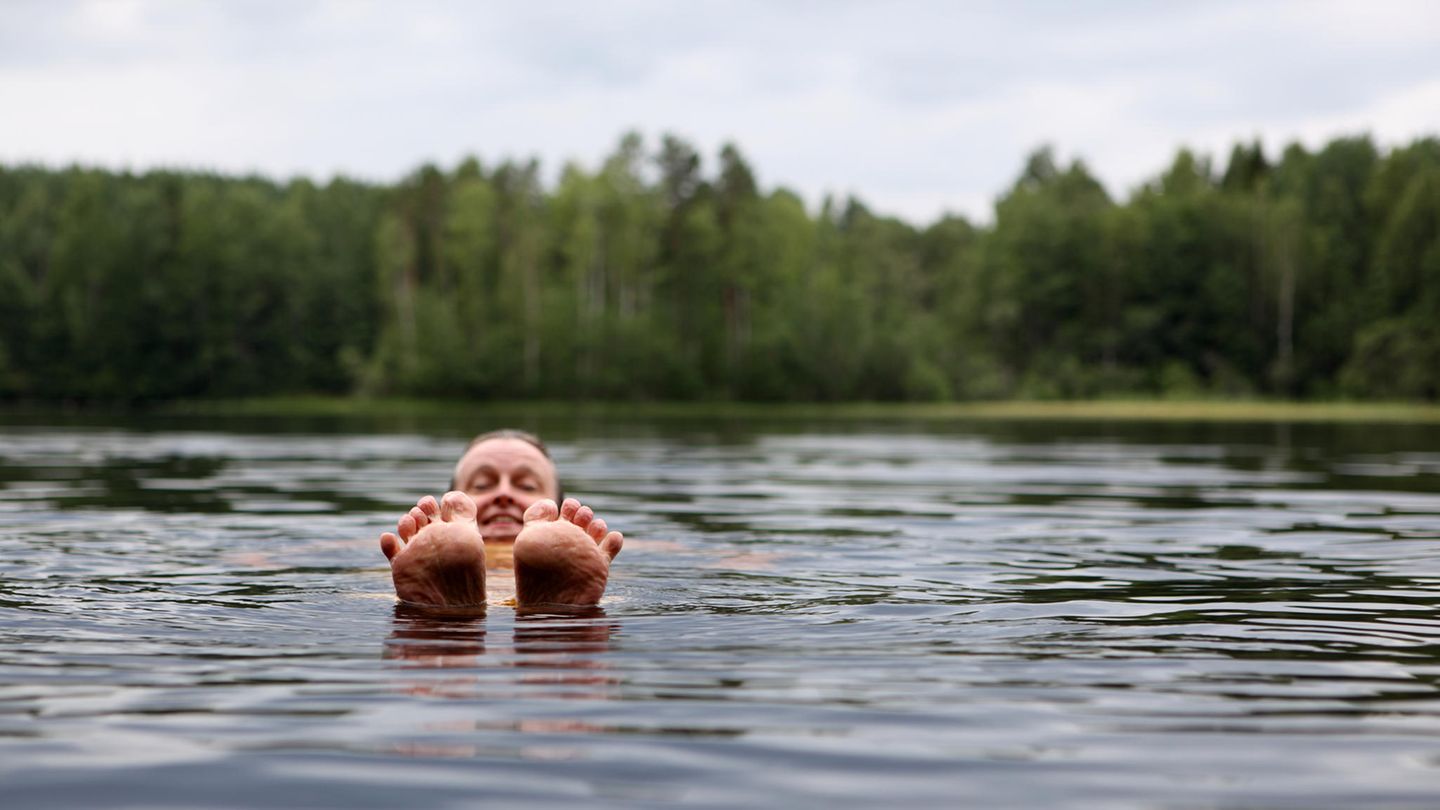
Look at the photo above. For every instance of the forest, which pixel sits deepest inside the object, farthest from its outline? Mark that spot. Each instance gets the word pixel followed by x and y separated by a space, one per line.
pixel 661 275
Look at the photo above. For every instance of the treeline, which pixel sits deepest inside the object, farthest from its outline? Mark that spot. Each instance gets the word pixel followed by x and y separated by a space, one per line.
pixel 1305 274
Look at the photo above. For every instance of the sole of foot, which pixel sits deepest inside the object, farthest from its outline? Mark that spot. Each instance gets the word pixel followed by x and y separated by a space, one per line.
pixel 562 556
pixel 437 557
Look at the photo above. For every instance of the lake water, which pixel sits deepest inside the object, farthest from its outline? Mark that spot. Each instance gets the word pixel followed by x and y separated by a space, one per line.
pixel 861 614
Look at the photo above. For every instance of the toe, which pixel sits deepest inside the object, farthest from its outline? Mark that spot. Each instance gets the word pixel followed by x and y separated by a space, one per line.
pixel 612 543
pixel 406 528
pixel 421 519
pixel 428 506
pixel 390 545
pixel 583 516
pixel 596 529
pixel 568 509
pixel 544 509
pixel 457 506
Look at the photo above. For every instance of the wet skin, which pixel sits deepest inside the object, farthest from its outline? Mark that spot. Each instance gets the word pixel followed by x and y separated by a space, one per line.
pixel 502 517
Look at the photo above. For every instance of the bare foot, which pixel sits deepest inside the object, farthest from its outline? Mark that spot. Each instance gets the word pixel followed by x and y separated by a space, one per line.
pixel 562 555
pixel 436 554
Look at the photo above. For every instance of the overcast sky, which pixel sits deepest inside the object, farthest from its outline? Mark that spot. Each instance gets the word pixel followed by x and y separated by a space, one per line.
pixel 916 107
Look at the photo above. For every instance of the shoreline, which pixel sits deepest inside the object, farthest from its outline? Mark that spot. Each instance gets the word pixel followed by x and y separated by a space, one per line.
pixel 1017 410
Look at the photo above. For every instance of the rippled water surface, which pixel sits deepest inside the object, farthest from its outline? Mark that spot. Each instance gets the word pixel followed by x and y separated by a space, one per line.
pixel 196 614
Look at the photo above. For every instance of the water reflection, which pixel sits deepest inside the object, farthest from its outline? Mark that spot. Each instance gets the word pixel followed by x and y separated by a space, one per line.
pixel 561 650
pixel 552 657
pixel 451 637
pixel 423 637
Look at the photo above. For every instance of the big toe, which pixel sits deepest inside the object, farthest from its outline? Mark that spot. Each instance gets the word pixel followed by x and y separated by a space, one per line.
pixel 457 506
pixel 543 509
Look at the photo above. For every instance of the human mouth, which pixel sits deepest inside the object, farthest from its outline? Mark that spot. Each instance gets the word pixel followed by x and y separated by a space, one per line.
pixel 504 524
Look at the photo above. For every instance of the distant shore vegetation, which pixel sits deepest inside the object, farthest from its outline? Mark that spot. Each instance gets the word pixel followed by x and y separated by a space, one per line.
pixel 661 276
pixel 1091 410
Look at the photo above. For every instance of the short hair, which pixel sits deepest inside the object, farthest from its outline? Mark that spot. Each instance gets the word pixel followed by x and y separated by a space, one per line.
pixel 524 436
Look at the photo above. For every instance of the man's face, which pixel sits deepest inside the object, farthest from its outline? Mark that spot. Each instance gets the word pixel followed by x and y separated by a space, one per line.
pixel 505 476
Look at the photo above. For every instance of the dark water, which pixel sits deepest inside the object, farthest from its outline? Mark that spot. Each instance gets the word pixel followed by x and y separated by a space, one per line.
pixel 867 615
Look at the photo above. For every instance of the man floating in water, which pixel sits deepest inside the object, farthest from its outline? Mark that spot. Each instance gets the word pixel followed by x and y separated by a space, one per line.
pixel 501 515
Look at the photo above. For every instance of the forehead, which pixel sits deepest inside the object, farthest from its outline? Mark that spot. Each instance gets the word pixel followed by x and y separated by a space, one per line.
pixel 504 455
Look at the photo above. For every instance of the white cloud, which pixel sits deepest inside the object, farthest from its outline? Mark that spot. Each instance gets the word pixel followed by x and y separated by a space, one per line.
pixel 917 107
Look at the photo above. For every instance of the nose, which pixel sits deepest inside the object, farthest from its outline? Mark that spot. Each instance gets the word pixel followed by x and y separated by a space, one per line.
pixel 502 494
